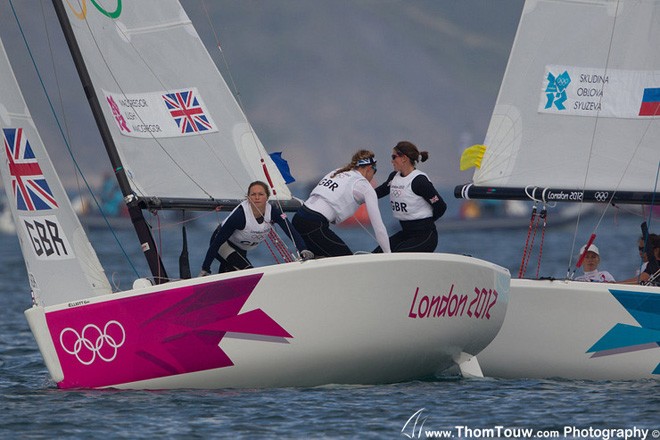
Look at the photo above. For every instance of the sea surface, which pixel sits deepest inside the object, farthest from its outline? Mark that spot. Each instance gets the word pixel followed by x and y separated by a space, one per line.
pixel 32 407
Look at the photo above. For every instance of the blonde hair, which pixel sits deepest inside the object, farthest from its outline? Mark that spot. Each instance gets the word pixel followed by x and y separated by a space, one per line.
pixel 360 155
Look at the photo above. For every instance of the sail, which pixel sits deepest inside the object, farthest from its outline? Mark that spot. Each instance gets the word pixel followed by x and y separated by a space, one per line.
pixel 578 109
pixel 61 264
pixel 175 124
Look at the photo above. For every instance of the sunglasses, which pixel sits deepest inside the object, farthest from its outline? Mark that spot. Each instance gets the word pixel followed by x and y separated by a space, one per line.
pixel 394 156
pixel 641 248
pixel 373 167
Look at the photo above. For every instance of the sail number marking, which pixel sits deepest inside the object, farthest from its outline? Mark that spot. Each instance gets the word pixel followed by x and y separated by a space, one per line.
pixel 47 238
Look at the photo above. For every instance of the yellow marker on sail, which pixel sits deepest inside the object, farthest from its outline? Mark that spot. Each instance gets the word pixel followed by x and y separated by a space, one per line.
pixel 472 157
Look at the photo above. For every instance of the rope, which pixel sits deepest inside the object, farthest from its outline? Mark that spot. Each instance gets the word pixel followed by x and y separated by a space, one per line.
pixel 544 216
pixel 531 243
pixel 280 246
pixel 272 252
pixel 521 272
pixel 239 101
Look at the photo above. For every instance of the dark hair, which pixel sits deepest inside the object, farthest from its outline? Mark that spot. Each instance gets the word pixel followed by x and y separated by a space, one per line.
pixel 361 154
pixel 409 149
pixel 655 240
pixel 263 185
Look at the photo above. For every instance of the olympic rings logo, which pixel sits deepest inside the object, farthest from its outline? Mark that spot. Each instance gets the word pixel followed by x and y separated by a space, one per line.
pixel 82 14
pixel 92 340
pixel 601 196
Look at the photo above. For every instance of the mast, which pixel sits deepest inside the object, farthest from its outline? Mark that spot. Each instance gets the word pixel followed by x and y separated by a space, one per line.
pixel 137 218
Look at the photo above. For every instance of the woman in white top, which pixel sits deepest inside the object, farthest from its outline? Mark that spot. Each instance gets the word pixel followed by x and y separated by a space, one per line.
pixel 246 226
pixel 336 197
pixel 414 201
pixel 590 267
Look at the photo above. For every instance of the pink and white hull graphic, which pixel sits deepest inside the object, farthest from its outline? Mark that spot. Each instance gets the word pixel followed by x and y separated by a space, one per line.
pixel 161 334
pixel 359 319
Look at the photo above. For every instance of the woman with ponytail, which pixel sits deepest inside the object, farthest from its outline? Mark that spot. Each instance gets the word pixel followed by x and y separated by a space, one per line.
pixel 414 201
pixel 336 197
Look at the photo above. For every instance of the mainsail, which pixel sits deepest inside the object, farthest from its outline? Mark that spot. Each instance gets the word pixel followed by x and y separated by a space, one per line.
pixel 173 129
pixel 577 116
pixel 61 264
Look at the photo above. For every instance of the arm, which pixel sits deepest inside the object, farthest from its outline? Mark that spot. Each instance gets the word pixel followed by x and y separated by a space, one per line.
pixel 368 194
pixel 235 221
pixel 280 218
pixel 424 188
pixel 384 188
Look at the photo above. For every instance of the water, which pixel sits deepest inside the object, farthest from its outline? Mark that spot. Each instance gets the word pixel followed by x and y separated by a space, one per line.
pixel 31 406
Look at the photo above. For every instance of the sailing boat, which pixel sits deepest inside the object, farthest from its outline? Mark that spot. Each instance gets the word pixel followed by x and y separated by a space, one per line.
pixel 177 139
pixel 577 120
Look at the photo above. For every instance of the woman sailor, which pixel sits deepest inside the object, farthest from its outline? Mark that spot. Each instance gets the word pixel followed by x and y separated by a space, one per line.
pixel 336 197
pixel 414 201
pixel 245 227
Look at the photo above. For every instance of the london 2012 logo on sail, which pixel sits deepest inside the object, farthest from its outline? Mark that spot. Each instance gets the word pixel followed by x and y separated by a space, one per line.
pixel 555 91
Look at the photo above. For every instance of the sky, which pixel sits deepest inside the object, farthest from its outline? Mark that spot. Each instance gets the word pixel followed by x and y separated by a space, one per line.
pixel 317 79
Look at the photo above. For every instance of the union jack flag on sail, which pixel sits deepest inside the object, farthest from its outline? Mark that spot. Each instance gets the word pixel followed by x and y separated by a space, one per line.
pixel 27 180
pixel 187 111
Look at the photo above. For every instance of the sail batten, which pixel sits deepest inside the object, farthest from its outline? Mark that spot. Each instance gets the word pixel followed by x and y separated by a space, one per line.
pixel 577 109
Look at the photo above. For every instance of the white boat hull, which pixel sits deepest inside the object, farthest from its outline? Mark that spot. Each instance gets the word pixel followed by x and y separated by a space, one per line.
pixel 355 320
pixel 577 330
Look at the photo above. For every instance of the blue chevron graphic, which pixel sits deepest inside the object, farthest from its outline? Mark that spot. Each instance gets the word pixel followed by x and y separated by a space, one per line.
pixel 645 308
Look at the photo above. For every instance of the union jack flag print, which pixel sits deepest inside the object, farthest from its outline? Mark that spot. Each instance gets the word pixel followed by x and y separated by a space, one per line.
pixel 27 180
pixel 187 111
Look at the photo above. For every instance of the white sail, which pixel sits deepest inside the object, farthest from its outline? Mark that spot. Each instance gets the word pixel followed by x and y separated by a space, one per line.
pixel 578 105
pixel 61 264
pixel 577 119
pixel 177 128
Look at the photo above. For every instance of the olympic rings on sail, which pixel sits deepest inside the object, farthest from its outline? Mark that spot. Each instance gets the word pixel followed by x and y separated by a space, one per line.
pixel 82 14
pixel 92 340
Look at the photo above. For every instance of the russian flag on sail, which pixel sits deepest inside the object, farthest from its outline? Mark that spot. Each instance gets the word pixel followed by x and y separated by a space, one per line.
pixel 27 180
pixel 650 102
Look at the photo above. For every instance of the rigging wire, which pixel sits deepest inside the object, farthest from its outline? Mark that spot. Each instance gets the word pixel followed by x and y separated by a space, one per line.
pixel 61 130
pixel 137 113
pixel 591 147
pixel 242 108
pixel 593 138
pixel 157 141
pixel 527 248
pixel 79 185
pixel 213 151
pixel 544 217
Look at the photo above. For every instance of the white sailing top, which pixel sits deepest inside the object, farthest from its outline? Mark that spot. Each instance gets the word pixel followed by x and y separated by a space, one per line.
pixel 254 232
pixel 337 198
pixel 406 205
pixel 597 276
pixel 333 196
